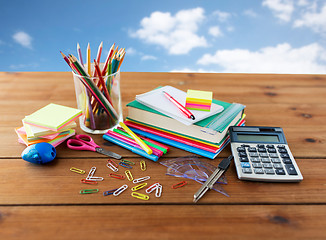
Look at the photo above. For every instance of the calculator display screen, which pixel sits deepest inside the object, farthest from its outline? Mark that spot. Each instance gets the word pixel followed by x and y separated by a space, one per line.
pixel 258 138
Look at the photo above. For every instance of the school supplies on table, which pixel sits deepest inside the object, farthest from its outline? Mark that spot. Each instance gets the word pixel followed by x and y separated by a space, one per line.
pixel 39 153
pixel 213 178
pixel 199 100
pixel 191 167
pixel 86 143
pixel 156 100
pixel 62 136
pixel 142 114
pixel 53 116
pixel 97 88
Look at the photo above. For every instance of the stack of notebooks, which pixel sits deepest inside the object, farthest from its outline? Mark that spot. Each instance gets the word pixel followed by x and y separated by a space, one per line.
pixel 52 124
pixel 150 116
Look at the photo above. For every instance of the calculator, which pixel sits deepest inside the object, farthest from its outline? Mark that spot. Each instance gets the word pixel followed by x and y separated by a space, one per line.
pixel 262 154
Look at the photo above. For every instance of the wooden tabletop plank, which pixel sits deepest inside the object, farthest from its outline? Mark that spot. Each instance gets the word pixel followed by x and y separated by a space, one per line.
pixel 25 183
pixel 164 222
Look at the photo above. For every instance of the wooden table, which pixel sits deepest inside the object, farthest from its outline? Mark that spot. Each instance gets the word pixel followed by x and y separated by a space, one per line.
pixel 43 202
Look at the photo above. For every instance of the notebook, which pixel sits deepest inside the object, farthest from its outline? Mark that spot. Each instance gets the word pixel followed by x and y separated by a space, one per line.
pixel 156 100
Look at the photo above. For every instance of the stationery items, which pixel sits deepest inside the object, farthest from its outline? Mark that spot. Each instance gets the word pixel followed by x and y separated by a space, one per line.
pixel 199 100
pixel 184 110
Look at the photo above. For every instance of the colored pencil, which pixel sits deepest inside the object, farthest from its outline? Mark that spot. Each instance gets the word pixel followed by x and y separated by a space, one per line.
pixel 79 55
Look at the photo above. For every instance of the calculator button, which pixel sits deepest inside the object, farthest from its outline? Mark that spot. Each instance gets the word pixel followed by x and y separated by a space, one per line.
pixel 267 165
pixel 280 171
pixel 282 150
pixel 260 145
pixel 256 165
pixel 253 154
pixel 242 154
pixel 265 160
pixel 290 169
pixel 252 149
pixel 263 155
pixel 259 171
pixel 276 160
pixel 280 146
pixel 270 146
pixel 271 150
pixel 284 155
pixel 247 170
pixel 273 155
pixel 245 165
pixel 241 149
pixel 278 166
pixel 269 171
pixel 245 145
pixel 244 159
pixel 254 160
pixel 287 161
pixel 261 149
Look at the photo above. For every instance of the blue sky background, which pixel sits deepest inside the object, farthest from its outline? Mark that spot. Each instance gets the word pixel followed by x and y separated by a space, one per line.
pixel 256 36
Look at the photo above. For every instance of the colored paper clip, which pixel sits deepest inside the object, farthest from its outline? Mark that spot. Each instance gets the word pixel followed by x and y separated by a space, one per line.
pixel 152 187
pixel 143 165
pixel 91 172
pixel 110 192
pixel 112 167
pixel 178 185
pixel 113 163
pixel 140 195
pixel 77 170
pixel 142 179
pixel 127 161
pixel 88 191
pixel 158 192
pixel 129 175
pixel 118 176
pixel 140 186
pixel 120 190
pixel 88 181
pixel 126 165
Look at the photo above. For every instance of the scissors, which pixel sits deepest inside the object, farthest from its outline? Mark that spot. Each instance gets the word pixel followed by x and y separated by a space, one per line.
pixel 86 143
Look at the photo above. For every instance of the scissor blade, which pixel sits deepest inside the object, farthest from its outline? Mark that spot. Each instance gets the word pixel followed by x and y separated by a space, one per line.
pixel 108 153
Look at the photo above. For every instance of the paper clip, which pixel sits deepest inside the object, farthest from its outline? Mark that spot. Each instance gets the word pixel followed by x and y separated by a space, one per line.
pixel 88 191
pixel 118 176
pixel 140 195
pixel 91 177
pixel 110 192
pixel 113 163
pixel 88 181
pixel 126 165
pixel 158 192
pixel 152 187
pixel 127 161
pixel 140 186
pixel 142 165
pixel 142 179
pixel 129 175
pixel 178 185
pixel 112 167
pixel 76 170
pixel 120 190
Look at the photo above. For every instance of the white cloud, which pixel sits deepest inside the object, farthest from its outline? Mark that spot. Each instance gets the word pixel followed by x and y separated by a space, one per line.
pixel 148 57
pixel 23 39
pixel 250 13
pixel 215 31
pixel 177 34
pixel 314 20
pixel 282 9
pixel 222 16
pixel 131 51
pixel 279 59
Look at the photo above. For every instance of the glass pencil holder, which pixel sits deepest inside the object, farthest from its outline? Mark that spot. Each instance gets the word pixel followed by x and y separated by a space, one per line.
pixel 99 98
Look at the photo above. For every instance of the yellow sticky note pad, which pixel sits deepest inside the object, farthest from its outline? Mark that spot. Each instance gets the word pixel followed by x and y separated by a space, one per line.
pixel 53 116
pixel 199 100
